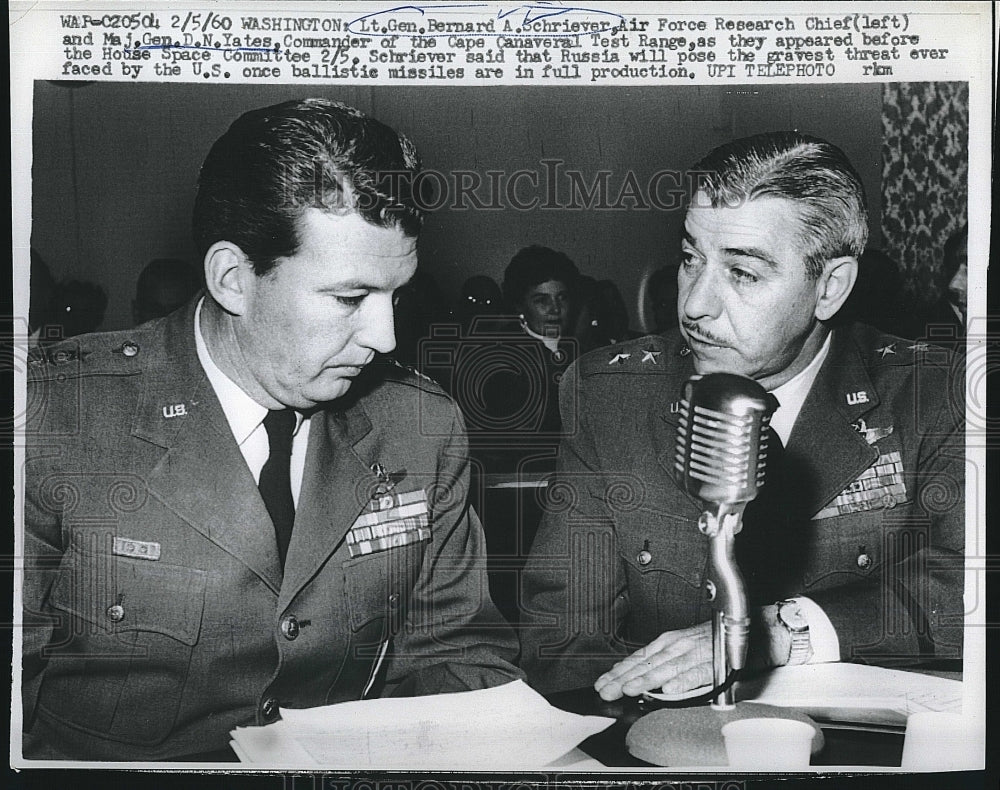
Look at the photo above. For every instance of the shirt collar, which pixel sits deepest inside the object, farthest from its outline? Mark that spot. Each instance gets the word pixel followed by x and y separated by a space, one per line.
pixel 242 412
pixel 792 394
pixel 551 343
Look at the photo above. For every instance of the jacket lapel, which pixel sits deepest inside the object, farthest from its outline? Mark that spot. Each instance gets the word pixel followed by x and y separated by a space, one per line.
pixel 333 494
pixel 824 448
pixel 201 475
pixel 664 425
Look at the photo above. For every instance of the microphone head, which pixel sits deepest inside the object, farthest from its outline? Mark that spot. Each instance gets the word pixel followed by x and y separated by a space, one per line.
pixel 722 437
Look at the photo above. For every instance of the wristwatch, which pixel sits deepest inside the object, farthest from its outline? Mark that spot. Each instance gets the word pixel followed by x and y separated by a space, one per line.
pixel 790 616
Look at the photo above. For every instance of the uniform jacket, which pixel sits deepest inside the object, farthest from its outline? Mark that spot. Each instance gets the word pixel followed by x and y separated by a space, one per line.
pixel 619 559
pixel 128 656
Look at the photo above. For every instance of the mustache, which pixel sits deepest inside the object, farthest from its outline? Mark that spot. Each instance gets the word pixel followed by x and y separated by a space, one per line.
pixel 694 329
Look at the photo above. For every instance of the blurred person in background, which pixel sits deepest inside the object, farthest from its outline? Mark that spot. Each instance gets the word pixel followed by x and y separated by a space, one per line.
pixel 608 318
pixel 661 292
pixel 877 297
pixel 480 296
pixel 164 285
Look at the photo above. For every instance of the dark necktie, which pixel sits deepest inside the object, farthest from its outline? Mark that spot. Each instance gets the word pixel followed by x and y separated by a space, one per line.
pixel 275 478
pixel 761 549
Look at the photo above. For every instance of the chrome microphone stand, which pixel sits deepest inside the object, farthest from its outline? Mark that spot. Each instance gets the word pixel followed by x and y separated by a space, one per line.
pixel 727 592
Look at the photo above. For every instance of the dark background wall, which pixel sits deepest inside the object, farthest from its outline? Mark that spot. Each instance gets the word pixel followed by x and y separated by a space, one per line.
pixel 115 165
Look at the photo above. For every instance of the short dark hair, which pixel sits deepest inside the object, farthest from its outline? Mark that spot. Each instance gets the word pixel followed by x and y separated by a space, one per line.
pixel 534 265
pixel 274 163
pixel 811 172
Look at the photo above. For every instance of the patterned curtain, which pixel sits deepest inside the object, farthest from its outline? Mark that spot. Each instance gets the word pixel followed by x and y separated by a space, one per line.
pixel 925 165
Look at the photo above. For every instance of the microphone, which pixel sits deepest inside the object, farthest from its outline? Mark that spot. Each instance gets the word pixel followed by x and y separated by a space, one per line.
pixel 721 454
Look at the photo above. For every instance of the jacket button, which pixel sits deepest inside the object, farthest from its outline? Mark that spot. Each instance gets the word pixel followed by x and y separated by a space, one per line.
pixel 864 561
pixel 129 348
pixel 644 558
pixel 289 627
pixel 269 708
pixel 116 613
pixel 394 600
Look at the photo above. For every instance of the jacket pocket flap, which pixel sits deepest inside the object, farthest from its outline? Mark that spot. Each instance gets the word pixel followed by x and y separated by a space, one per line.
pixel 119 594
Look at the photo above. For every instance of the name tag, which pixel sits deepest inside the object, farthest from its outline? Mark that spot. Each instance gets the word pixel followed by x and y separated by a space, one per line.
pixel 138 549
pixel 389 521
pixel 880 486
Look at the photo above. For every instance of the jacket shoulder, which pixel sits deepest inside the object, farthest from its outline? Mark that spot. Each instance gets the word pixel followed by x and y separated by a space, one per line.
pixel 391 389
pixel 98 354
pixel 886 355
pixel 395 375
pixel 648 356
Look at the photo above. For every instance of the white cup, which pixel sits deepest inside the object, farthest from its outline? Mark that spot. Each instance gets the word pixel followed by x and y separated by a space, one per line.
pixel 768 743
pixel 942 742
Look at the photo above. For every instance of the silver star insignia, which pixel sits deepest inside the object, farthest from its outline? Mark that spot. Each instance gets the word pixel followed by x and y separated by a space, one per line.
pixel 619 359
pixel 918 347
pixel 651 356
pixel 886 350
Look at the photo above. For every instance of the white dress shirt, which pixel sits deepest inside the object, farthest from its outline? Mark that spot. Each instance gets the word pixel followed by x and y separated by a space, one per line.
pixel 246 417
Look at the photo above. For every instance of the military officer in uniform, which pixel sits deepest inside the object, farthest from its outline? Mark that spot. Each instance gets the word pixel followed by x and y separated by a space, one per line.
pixel 858 554
pixel 238 508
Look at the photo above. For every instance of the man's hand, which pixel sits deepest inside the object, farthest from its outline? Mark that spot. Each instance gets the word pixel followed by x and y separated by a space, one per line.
pixel 675 661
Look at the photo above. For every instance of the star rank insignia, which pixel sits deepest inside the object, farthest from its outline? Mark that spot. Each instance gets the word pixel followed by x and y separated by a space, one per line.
pixel 918 347
pixel 619 359
pixel 886 350
pixel 648 355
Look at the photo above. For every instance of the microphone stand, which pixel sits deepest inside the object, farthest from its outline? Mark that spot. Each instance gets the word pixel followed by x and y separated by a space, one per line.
pixel 719 460
pixel 727 592
pixel 693 735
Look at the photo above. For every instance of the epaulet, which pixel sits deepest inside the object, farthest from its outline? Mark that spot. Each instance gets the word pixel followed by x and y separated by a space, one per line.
pixel 398 373
pixel 642 356
pixel 100 353
pixel 891 351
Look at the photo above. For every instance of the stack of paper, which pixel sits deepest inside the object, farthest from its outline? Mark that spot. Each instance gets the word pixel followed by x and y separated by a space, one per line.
pixel 855 692
pixel 509 727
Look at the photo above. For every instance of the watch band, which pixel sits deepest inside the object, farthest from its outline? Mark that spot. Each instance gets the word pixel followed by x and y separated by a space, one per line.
pixel 800 642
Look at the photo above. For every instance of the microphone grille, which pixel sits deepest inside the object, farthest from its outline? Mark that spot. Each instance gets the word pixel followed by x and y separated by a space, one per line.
pixel 722 437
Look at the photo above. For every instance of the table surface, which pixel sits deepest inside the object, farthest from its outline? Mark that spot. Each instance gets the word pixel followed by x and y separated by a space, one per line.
pixel 865 745
pixel 875 747
pixel 853 746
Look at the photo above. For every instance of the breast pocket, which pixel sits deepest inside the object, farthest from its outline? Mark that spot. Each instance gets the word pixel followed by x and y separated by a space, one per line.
pixel 844 549
pixel 665 564
pixel 119 662
pixel 379 589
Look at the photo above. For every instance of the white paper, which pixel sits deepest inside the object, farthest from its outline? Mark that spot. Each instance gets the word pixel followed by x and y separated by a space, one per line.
pixel 847 692
pixel 502 728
